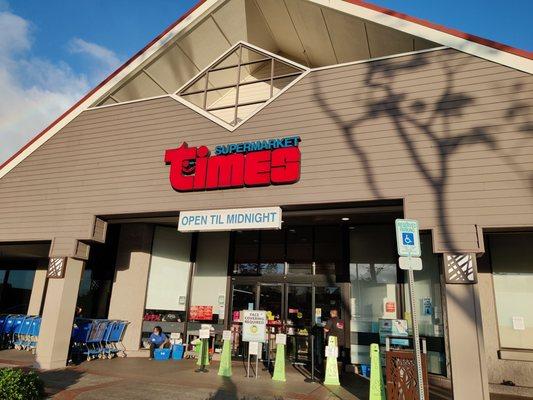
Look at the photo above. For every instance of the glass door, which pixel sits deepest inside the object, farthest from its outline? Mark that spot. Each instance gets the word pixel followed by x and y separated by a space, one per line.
pixel 296 309
pixel 271 301
pixel 299 321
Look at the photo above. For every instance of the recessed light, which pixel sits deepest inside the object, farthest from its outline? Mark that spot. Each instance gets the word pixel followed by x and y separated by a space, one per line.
pixel 345 218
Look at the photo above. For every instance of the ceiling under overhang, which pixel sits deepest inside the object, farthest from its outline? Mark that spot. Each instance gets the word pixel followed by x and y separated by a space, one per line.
pixel 302 31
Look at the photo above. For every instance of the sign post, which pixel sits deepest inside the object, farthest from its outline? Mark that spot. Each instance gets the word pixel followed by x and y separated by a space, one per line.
pixel 409 250
pixel 254 332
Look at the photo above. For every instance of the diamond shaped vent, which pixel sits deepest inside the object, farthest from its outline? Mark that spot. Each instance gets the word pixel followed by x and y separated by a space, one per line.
pixel 237 84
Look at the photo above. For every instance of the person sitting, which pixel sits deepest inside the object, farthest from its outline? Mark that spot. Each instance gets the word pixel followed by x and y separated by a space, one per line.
pixel 158 340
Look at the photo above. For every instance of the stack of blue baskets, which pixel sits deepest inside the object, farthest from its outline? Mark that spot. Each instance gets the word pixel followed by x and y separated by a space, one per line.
pixel 176 352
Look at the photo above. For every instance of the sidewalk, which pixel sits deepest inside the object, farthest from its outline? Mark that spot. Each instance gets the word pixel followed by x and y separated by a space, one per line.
pixel 140 378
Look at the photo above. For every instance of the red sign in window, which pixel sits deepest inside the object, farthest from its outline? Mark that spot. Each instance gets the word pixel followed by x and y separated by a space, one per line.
pixel 201 313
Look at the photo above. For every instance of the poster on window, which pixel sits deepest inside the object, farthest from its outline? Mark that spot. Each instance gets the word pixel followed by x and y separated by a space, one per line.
pixel 201 313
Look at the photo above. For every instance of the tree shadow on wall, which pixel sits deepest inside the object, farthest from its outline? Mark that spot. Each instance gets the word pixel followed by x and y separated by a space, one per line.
pixel 432 114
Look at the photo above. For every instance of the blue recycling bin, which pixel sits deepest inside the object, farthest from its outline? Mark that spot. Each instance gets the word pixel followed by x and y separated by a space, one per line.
pixel 161 354
pixel 177 351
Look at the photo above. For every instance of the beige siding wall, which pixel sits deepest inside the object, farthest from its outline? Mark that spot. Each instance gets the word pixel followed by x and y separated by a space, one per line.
pixel 443 130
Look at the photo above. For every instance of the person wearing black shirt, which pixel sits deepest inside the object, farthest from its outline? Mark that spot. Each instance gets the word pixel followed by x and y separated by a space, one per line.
pixel 335 327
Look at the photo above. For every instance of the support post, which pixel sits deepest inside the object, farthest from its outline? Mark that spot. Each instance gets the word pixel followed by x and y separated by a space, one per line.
pixel 416 336
pixel 58 316
pixel 128 297
pixel 465 336
pixel 37 292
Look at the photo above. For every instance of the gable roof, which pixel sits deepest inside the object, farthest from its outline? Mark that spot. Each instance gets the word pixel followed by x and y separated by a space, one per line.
pixel 471 44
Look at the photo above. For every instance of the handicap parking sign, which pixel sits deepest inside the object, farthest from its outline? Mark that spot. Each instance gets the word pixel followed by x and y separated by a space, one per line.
pixel 407 238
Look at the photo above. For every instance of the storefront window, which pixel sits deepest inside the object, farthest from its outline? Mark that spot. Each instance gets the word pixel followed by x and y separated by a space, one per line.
pixel 243 298
pixel 97 279
pixel 328 249
pixel 208 297
pixel 270 300
pixel 94 294
pixel 169 276
pixel 16 290
pixel 246 253
pixel 272 253
pixel 327 298
pixel 303 250
pixel 428 306
pixel 373 277
pixel 512 266
pixel 300 250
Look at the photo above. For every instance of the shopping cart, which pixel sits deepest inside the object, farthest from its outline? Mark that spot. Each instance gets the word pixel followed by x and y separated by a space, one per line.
pixel 98 338
pixel 11 325
pixel 113 341
pixel 107 347
pixel 34 334
pixel 3 338
pixel 91 338
pixel 21 333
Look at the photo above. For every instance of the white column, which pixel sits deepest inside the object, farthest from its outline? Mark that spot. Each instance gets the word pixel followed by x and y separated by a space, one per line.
pixel 37 292
pixel 128 296
pixel 58 316
pixel 465 335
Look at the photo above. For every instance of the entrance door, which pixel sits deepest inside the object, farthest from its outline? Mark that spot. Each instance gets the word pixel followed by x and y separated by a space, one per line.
pixel 271 299
pixel 296 309
pixel 290 310
pixel 299 321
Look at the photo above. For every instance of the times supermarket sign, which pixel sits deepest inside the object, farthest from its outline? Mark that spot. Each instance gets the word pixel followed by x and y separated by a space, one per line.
pixel 247 164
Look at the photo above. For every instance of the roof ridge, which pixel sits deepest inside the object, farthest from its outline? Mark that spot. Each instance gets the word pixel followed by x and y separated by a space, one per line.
pixel 452 31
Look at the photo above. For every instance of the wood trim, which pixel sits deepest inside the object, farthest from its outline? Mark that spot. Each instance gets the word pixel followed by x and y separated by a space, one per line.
pixel 515 355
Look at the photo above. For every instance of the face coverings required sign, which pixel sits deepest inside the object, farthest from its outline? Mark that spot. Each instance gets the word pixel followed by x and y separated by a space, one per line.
pixel 254 326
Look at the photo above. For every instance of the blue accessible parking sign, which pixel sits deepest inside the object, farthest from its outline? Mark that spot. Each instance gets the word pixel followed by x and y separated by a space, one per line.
pixel 407 238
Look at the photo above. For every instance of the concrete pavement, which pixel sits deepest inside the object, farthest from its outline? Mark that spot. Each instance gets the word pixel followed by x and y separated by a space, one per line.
pixel 142 379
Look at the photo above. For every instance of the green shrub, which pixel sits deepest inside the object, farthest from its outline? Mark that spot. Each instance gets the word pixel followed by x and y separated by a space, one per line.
pixel 15 384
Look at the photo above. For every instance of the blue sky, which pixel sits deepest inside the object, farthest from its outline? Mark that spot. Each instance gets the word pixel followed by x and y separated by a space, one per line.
pixel 53 51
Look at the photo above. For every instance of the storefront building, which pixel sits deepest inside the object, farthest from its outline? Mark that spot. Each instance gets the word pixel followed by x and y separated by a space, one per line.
pixel 324 122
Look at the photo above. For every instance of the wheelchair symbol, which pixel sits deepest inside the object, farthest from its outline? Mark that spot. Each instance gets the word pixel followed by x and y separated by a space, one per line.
pixel 408 239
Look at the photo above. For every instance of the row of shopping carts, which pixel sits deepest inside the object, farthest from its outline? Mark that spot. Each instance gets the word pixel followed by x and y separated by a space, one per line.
pixel 98 338
pixel 19 331
pixel 91 338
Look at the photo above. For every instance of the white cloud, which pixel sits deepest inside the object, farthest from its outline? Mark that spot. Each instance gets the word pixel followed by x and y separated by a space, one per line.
pixel 35 91
pixel 107 58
